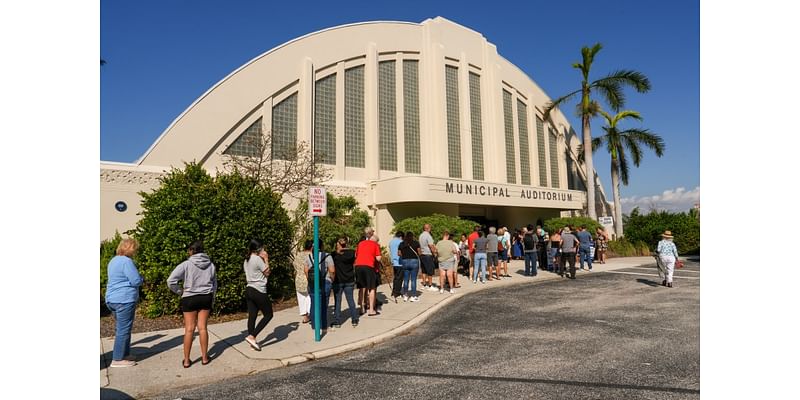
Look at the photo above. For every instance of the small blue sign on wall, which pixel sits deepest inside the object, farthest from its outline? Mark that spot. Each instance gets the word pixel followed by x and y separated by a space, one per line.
pixel 121 206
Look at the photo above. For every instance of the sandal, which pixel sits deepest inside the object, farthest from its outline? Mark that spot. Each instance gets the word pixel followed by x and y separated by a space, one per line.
pixel 183 363
pixel 205 362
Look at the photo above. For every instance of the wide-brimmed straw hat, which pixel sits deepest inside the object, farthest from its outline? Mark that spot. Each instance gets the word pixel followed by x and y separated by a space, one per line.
pixel 667 235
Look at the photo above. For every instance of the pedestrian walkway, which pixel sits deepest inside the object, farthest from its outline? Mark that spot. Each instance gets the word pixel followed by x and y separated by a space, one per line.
pixel 159 354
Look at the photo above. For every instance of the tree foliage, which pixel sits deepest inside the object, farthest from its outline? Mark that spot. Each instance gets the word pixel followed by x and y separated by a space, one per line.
pixel 649 227
pixel 343 218
pixel 225 212
pixel 439 223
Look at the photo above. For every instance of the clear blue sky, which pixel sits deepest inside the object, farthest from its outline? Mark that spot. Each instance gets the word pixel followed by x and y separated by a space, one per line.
pixel 162 55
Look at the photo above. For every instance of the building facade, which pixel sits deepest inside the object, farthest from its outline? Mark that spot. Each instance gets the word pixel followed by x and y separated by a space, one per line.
pixel 411 118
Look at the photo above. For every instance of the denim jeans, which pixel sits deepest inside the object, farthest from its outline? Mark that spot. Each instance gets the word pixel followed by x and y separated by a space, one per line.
pixel 410 271
pixel 347 288
pixel 585 254
pixel 123 314
pixel 551 261
pixel 480 263
pixel 325 295
pixel 530 262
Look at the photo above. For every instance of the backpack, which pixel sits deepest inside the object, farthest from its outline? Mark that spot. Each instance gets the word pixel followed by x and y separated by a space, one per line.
pixel 323 269
pixel 528 242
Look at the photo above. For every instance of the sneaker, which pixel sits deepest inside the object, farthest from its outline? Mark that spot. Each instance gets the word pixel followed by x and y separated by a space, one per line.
pixel 483 280
pixel 431 288
pixel 474 281
pixel 336 326
pixel 355 323
pixel 414 299
pixel 122 363
pixel 452 291
pixel 253 344
pixel 405 298
pixel 441 291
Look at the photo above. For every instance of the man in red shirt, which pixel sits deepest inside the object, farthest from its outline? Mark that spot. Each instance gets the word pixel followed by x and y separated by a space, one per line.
pixel 470 239
pixel 368 257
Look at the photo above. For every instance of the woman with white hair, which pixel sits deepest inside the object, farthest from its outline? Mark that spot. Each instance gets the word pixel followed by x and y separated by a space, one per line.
pixel 669 254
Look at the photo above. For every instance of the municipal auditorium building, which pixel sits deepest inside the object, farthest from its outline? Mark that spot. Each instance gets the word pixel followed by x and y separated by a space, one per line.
pixel 411 118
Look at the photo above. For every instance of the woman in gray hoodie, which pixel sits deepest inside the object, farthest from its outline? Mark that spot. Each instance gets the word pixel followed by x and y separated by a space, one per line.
pixel 199 276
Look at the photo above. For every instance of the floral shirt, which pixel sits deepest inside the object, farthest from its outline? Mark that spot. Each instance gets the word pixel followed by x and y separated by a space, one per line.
pixel 667 248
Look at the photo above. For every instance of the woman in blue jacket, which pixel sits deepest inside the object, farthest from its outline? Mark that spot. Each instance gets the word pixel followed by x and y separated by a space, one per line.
pixel 122 293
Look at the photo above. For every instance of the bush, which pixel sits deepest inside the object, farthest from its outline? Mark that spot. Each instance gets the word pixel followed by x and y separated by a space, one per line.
pixel 554 224
pixel 224 212
pixel 624 248
pixel 648 229
pixel 343 218
pixel 439 223
pixel 108 249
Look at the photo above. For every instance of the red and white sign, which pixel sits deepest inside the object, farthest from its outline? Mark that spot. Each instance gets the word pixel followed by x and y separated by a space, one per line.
pixel 317 202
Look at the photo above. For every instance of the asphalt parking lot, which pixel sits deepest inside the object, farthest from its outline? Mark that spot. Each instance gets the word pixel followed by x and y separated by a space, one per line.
pixel 605 335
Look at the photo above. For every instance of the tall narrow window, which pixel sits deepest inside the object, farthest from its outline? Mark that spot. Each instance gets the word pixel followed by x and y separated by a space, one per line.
pixel 354 117
pixel 508 122
pixel 248 143
pixel 541 153
pixel 475 124
pixel 453 125
pixel 325 120
pixel 284 129
pixel 554 158
pixel 411 115
pixel 524 147
pixel 387 116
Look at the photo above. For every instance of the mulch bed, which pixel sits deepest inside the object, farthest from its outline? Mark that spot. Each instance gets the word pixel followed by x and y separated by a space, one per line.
pixel 142 324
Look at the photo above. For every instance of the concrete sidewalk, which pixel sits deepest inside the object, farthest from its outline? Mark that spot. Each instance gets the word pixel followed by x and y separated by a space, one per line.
pixel 288 341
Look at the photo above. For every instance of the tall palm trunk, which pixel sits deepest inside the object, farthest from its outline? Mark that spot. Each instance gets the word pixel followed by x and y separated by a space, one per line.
pixel 617 205
pixel 589 164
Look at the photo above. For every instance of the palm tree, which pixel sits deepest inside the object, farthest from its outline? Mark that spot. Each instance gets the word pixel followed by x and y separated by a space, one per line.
pixel 617 142
pixel 610 88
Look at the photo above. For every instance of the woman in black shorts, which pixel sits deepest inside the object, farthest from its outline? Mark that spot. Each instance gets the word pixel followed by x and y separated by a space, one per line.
pixel 199 277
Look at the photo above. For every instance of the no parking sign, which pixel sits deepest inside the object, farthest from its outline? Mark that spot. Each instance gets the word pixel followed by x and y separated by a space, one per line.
pixel 317 202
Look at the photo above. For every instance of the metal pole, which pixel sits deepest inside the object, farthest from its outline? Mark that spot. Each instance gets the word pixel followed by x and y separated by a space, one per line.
pixel 317 306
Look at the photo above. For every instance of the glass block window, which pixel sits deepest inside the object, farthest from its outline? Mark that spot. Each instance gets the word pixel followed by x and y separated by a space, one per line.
pixel 248 143
pixel 411 115
pixel 284 129
pixel 325 120
pixel 354 117
pixel 387 116
pixel 453 124
pixel 571 177
pixel 541 152
pixel 508 122
pixel 475 125
pixel 554 158
pixel 524 146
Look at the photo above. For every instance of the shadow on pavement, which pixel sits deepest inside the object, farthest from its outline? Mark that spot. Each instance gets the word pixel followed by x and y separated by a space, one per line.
pixel 648 282
pixel 280 333
pixel 113 394
pixel 143 353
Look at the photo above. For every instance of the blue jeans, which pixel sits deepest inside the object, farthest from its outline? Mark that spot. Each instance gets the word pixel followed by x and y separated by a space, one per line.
pixel 325 295
pixel 410 271
pixel 585 254
pixel 123 314
pixel 530 262
pixel 347 288
pixel 480 263
pixel 551 261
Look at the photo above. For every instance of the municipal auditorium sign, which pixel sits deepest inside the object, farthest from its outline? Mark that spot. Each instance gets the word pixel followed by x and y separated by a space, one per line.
pixel 427 189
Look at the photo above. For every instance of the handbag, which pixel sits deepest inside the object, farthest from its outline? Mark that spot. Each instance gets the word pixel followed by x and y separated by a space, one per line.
pixel 679 264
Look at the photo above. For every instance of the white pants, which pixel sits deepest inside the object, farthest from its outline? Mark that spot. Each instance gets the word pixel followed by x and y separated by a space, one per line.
pixel 669 265
pixel 303 303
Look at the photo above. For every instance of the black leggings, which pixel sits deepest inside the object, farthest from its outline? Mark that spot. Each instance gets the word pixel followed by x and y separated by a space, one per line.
pixel 257 301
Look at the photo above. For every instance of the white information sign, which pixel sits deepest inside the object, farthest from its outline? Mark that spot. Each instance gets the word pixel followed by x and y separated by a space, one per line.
pixel 317 202
pixel 605 220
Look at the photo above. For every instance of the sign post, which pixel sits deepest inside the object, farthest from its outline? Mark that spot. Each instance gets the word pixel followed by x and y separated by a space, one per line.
pixel 317 207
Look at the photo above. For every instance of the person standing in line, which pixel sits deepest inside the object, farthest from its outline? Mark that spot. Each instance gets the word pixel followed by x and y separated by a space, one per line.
pixel 505 244
pixel 397 267
pixel 529 249
pixel 463 247
pixel 301 280
pixel 327 273
pixel 256 271
pixel 491 253
pixel 669 254
pixel 344 279
pixel 555 249
pixel 409 251
pixel 601 245
pixel 368 255
pixel 448 254
pixel 586 245
pixel 541 247
pixel 516 249
pixel 428 251
pixel 471 242
pixel 480 244
pixel 569 246
pixel 122 294
pixel 199 276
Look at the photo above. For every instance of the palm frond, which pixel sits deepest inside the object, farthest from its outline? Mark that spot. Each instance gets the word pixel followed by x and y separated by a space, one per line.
pixel 626 114
pixel 626 77
pixel 649 139
pixel 612 93
pixel 634 148
pixel 548 108
pixel 623 166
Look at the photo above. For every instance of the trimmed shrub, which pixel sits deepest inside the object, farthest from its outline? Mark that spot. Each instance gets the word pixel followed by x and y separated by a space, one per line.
pixel 439 223
pixel 554 224
pixel 648 229
pixel 225 212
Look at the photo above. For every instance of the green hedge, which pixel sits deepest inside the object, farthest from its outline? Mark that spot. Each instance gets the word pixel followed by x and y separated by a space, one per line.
pixel 225 212
pixel 554 224
pixel 624 248
pixel 439 223
pixel 648 228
